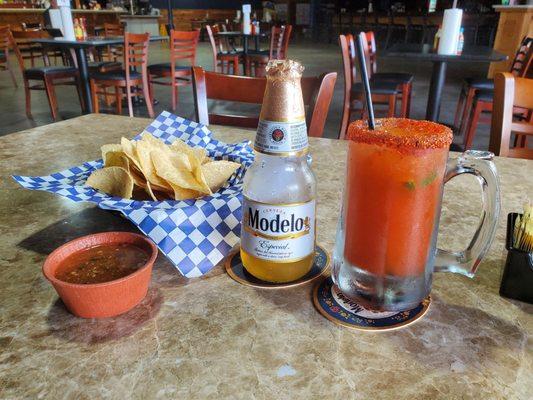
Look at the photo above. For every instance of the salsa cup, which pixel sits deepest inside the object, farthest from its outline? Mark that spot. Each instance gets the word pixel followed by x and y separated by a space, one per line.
pixel 107 299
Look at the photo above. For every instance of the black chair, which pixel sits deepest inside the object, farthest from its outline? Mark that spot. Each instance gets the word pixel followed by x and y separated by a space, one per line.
pixel 47 77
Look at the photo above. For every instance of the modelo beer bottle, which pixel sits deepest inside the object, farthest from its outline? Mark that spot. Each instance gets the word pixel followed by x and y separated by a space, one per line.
pixel 278 227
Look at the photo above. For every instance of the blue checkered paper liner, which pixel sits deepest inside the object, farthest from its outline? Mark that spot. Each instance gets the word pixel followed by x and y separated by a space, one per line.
pixel 195 235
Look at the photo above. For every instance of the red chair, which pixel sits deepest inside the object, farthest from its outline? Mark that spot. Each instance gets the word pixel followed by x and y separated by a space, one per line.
pixel 383 92
pixel 48 75
pixel 182 48
pixel 126 81
pixel 511 93
pixel 477 94
pixel 279 45
pixel 317 94
pixel 5 44
pixel 225 60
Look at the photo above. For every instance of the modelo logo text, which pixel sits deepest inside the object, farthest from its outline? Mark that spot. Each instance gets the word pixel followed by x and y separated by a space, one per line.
pixel 292 224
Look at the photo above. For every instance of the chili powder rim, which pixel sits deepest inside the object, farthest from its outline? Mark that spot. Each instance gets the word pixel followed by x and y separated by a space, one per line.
pixel 427 135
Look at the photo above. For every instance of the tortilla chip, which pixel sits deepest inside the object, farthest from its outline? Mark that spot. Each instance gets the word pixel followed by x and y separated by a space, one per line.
pixel 109 149
pixel 170 168
pixel 150 191
pixel 199 152
pixel 217 173
pixel 115 181
pixel 198 175
pixel 184 194
pixel 145 150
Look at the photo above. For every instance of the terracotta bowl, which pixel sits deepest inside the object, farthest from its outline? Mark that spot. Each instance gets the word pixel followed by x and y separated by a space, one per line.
pixel 102 300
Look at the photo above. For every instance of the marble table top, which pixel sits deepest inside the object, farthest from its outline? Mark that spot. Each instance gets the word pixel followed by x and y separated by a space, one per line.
pixel 212 338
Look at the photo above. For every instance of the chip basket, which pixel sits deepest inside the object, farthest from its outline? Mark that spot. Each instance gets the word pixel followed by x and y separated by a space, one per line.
pixel 195 235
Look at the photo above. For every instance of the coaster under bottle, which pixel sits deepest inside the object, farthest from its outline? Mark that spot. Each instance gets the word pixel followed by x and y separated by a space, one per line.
pixel 237 272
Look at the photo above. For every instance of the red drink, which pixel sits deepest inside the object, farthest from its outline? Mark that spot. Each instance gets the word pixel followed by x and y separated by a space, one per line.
pixel 391 210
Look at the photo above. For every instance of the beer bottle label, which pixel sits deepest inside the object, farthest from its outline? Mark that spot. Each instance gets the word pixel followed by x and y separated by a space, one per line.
pixel 281 138
pixel 278 232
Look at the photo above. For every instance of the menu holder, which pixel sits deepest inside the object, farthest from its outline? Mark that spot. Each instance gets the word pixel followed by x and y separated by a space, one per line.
pixel 517 278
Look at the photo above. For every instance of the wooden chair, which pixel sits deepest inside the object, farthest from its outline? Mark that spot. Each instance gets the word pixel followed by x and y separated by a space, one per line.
pixel 182 48
pixel 511 93
pixel 28 49
pixel 108 60
pixel 5 45
pixel 383 92
pixel 279 45
pixel 403 81
pixel 127 80
pixel 48 75
pixel 51 51
pixel 317 94
pixel 115 52
pixel 225 60
pixel 476 94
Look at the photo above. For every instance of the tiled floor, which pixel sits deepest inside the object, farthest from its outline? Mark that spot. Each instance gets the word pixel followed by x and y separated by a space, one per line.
pixel 317 58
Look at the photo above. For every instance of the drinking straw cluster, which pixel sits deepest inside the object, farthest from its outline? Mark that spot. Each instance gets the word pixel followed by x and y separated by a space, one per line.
pixel 523 230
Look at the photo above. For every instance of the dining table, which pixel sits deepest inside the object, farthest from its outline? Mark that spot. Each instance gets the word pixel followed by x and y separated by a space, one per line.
pixel 230 36
pixel 425 52
pixel 79 47
pixel 214 338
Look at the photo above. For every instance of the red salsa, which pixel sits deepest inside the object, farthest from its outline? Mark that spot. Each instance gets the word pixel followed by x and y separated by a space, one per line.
pixel 101 264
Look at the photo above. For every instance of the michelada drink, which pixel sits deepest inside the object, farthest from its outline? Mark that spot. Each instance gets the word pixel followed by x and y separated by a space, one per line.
pixel 386 237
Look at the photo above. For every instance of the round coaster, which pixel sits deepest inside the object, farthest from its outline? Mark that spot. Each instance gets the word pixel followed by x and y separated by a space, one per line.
pixel 236 270
pixel 336 307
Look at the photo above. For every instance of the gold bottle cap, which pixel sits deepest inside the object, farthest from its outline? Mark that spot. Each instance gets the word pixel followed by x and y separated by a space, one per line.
pixel 284 69
pixel 283 101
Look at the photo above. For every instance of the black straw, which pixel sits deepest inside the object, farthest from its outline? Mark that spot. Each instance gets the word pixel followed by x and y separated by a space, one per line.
pixel 364 78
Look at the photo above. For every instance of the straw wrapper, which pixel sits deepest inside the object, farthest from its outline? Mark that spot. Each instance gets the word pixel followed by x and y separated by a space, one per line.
pixel 195 235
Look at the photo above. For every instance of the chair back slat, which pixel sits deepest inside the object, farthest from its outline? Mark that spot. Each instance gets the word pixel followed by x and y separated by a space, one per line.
pixel 136 51
pixel 511 93
pixel 279 42
pixel 276 41
pixel 348 67
pixel 366 53
pixel 372 51
pixel 317 93
pixel 349 56
pixel 183 45
pixel 524 56
pixel 111 30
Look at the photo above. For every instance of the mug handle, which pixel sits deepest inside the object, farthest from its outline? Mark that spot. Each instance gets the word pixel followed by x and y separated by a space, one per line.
pixel 479 164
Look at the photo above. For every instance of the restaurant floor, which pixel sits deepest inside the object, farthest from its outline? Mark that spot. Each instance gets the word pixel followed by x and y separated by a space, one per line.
pixel 317 58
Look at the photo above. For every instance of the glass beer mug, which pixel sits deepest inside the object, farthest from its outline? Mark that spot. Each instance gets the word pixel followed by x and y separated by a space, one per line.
pixel 385 251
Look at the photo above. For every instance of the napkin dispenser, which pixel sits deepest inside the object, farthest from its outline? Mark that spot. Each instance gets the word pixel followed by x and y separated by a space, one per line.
pixel 517 278
pixel 451 28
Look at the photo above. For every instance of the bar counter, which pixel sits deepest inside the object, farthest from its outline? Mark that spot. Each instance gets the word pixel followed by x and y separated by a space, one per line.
pixel 213 338
pixel 14 16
